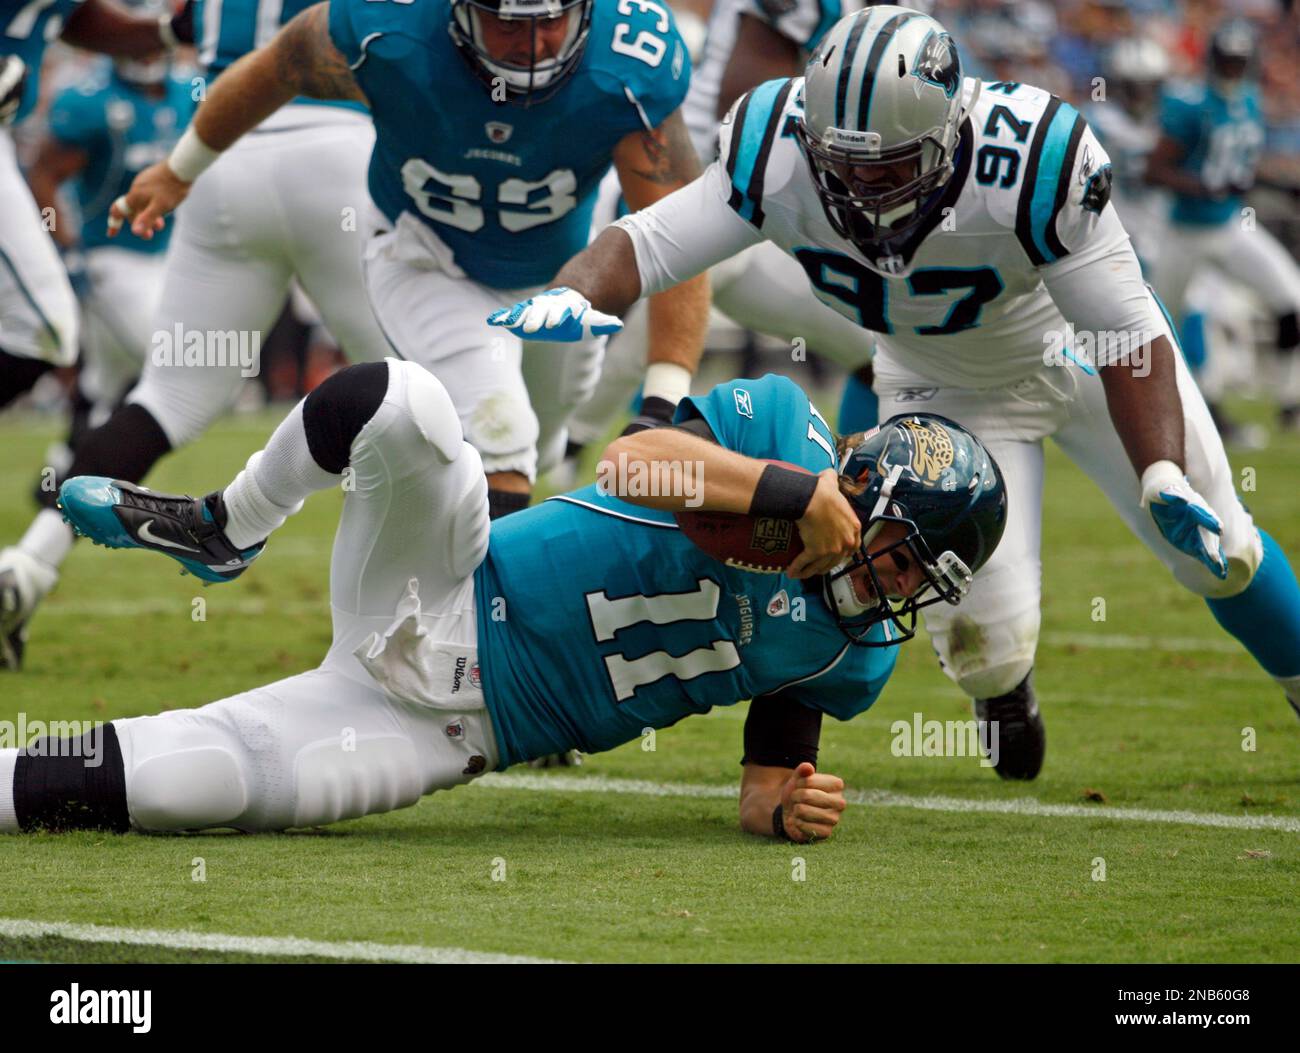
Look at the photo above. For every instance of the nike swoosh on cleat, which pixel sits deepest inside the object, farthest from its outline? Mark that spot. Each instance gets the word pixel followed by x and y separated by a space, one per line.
pixel 145 534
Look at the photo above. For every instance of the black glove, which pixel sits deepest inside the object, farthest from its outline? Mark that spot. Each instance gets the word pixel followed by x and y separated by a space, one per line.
pixel 13 79
pixel 655 413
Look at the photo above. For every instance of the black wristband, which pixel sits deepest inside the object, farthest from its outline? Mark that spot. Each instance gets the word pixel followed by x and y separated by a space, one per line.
pixel 778 826
pixel 782 493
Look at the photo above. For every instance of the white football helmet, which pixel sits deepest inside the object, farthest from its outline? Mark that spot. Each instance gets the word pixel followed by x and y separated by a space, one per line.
pixel 882 114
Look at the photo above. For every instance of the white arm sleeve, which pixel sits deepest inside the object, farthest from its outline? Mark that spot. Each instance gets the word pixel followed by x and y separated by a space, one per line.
pixel 1099 289
pixel 687 232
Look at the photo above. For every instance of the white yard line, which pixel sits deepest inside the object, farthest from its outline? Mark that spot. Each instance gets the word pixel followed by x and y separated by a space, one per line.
pixel 282 946
pixel 889 799
pixel 1120 642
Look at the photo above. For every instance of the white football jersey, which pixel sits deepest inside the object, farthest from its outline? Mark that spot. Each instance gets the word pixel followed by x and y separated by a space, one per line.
pixel 1022 232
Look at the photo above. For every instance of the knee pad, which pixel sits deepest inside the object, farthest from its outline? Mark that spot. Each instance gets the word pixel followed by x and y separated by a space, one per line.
pixel 188 789
pixel 331 782
pixel 336 411
pixel 987 659
pixel 503 428
pixel 431 409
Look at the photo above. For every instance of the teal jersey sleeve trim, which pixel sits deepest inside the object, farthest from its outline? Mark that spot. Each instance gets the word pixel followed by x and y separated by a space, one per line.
pixel 757 119
pixel 1047 182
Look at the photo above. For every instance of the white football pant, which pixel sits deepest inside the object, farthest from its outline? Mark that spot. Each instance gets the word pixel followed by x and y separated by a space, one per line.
pixel 333 743
pixel 287 200
pixel 986 643
pixel 38 313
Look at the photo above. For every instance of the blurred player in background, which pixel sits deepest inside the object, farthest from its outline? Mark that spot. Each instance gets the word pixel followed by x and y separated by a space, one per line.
pixel 103 132
pixel 1125 124
pixel 1211 137
pixel 38 312
pixel 285 203
pixel 761 289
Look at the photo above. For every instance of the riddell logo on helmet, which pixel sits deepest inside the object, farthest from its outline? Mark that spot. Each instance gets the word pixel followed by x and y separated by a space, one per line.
pixel 852 137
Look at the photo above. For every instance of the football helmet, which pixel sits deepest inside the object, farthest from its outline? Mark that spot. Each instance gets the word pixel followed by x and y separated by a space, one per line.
pixel 145 73
pixel 1232 53
pixel 534 80
pixel 880 128
pixel 937 480
pixel 1138 66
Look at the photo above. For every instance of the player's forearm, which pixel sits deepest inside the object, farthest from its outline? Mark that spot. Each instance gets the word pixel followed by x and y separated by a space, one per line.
pixel 691 473
pixel 99 26
pixel 605 273
pixel 679 324
pixel 1145 406
pixel 1177 180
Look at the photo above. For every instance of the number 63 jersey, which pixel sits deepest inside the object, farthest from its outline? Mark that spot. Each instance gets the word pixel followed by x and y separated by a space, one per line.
pixel 597 618
pixel 1022 232
pixel 510 189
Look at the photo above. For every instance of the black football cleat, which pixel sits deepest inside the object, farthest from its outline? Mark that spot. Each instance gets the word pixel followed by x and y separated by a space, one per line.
pixel 1017 731
pixel 188 529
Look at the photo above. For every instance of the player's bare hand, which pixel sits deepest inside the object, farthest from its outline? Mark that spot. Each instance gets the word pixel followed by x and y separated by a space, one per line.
pixel 830 529
pixel 811 804
pixel 155 192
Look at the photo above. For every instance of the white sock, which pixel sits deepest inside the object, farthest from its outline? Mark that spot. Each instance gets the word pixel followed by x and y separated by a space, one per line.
pixel 48 539
pixel 274 484
pixel 8 817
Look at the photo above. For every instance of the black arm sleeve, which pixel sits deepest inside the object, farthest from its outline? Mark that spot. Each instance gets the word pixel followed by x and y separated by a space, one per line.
pixel 698 426
pixel 781 733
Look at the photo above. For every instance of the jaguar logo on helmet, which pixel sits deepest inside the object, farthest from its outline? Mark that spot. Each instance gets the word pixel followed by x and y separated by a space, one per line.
pixel 932 449
pixel 939 64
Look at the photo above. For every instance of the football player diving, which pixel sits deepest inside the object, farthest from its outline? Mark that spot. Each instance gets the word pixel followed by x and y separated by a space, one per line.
pixel 462 645
pixel 968 226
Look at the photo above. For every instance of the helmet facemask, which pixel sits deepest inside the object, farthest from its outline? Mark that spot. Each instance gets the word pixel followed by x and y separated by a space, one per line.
pixel 531 80
pixel 876 199
pixel 947 577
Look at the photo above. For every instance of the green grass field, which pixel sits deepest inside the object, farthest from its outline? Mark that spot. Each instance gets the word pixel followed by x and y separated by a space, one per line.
pixel 1145 712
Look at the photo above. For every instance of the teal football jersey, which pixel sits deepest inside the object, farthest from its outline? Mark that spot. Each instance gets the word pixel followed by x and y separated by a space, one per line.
pixel 123 131
pixel 1221 140
pixel 227 30
pixel 26 29
pixel 598 619
pixel 510 189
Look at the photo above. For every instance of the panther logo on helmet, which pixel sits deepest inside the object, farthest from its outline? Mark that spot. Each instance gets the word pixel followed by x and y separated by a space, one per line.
pixel 939 64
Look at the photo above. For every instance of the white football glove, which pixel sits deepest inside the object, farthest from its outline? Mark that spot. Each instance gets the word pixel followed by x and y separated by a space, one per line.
pixel 1183 516
pixel 558 315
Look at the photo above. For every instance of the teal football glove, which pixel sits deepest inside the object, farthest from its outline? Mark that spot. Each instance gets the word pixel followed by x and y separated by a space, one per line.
pixel 1184 518
pixel 557 315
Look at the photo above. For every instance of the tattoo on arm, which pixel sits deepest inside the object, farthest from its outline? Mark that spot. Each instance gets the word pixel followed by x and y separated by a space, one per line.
pixel 307 58
pixel 668 158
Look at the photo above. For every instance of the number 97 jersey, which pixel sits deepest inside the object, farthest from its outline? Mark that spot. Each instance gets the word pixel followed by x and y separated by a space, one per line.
pixel 508 188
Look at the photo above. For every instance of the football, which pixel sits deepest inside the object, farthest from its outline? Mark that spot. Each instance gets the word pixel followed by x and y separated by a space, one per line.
pixel 758 543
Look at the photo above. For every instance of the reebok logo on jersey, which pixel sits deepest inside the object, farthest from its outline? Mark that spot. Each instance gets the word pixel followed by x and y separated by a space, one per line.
pixel 744 404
